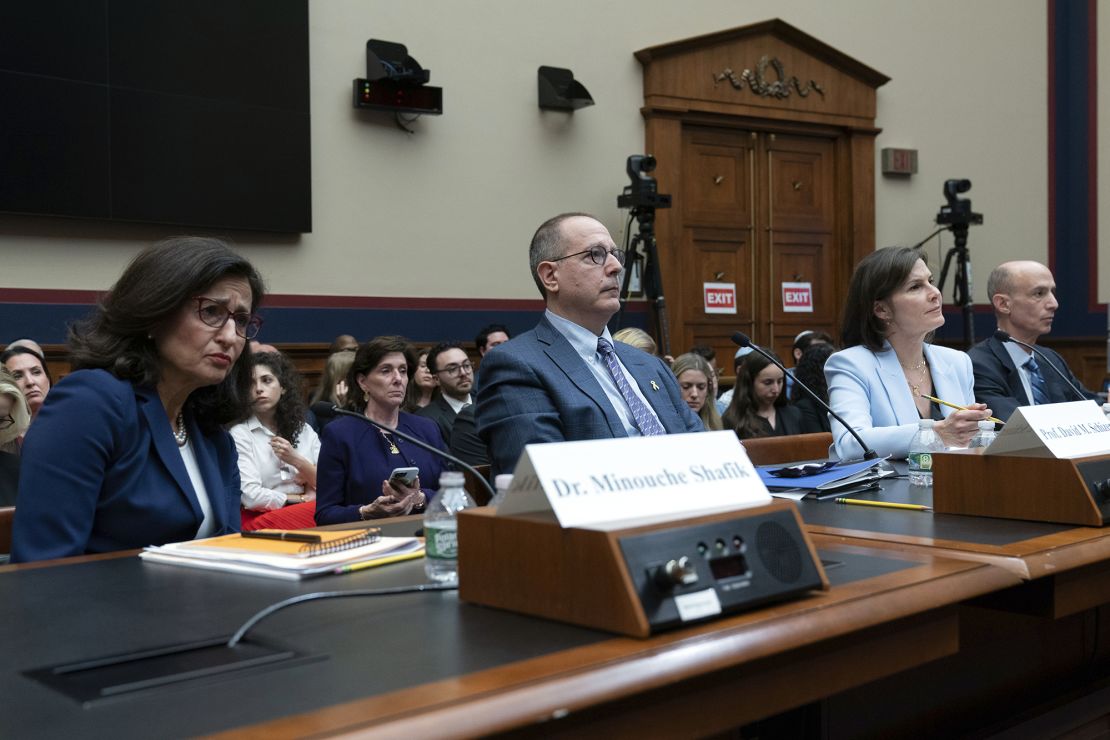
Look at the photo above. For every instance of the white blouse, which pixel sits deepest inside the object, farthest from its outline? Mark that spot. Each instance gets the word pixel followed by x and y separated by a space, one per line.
pixel 265 481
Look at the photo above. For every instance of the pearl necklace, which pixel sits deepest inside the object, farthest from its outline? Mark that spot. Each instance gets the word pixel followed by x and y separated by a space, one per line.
pixel 180 432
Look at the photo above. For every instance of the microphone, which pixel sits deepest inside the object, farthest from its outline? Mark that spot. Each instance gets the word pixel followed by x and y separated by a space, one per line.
pixel 744 341
pixel 1003 336
pixel 419 443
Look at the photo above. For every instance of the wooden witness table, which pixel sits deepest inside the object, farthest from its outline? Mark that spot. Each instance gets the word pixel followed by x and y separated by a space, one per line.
pixel 425 665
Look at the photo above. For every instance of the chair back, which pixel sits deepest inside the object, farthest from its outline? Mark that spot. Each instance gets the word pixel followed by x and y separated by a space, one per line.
pixel 7 517
pixel 789 448
pixel 474 487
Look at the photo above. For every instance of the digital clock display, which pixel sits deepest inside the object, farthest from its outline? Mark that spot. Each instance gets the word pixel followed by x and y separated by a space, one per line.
pixel 728 567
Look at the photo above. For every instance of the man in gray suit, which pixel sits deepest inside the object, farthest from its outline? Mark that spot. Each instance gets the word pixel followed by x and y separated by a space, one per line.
pixel 566 379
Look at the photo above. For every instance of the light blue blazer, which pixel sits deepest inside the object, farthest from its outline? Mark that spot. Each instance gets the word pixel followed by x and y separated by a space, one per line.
pixel 870 391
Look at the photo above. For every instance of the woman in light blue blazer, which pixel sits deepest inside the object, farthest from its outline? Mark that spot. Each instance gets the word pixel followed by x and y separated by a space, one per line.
pixel 129 449
pixel 879 382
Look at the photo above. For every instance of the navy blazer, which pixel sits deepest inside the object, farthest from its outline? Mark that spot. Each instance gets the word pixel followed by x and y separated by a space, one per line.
pixel 355 460
pixel 536 388
pixel 101 472
pixel 998 382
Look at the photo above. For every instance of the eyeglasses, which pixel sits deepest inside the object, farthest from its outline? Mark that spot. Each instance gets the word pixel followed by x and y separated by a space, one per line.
pixel 598 255
pixel 6 421
pixel 216 315
pixel 458 369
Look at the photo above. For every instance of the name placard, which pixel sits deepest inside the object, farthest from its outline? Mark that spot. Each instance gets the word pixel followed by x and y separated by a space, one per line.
pixel 1060 430
pixel 596 482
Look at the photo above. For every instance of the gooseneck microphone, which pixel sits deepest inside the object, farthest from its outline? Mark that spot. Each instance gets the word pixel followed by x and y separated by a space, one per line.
pixel 1003 336
pixel 419 443
pixel 744 341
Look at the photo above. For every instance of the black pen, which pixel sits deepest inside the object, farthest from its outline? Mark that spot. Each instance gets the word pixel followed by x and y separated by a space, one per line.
pixel 285 536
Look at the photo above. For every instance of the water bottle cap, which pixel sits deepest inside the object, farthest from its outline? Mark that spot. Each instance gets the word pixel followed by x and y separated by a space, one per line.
pixel 503 482
pixel 451 478
pixel 986 426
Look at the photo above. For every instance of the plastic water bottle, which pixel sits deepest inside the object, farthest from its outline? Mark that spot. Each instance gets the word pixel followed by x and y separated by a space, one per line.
pixel 984 436
pixel 441 529
pixel 922 447
pixel 501 484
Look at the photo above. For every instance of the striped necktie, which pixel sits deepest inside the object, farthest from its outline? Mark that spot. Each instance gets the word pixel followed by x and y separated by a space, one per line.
pixel 1036 382
pixel 641 414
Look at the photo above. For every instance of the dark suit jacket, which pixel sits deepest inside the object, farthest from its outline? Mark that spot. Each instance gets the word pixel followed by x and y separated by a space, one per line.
pixel 536 388
pixel 813 417
pixel 441 413
pixel 100 471
pixel 465 442
pixel 998 382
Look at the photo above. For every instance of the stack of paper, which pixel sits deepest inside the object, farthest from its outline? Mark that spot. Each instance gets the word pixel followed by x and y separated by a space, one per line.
pixel 234 553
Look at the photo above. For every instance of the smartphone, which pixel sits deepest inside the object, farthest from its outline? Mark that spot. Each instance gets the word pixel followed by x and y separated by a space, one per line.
pixel 406 476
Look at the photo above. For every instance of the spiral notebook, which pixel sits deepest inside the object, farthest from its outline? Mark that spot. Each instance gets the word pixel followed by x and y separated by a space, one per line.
pixel 337 552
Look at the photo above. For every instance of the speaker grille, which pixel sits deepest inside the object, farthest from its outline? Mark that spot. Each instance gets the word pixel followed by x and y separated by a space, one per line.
pixel 779 552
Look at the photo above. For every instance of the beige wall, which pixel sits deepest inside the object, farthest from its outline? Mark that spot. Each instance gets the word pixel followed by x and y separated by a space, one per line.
pixel 448 211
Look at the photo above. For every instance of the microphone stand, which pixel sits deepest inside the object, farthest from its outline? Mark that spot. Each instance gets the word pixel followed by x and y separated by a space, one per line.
pixel 744 341
pixel 1003 336
pixel 419 443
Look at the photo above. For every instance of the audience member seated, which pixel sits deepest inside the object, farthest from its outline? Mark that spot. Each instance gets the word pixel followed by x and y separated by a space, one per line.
pixel 802 342
pixel 129 449
pixel 811 371
pixel 14 419
pixel 567 379
pixel 694 374
pixel 277 448
pixel 737 360
pixel 758 407
pixel 343 343
pixel 710 356
pixel 637 338
pixel 491 336
pixel 453 373
pixel 28 367
pixel 880 381
pixel 356 458
pixel 423 389
pixel 333 388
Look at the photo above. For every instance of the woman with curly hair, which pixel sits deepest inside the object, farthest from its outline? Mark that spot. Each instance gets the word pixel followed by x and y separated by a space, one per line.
pixel 758 407
pixel 277 449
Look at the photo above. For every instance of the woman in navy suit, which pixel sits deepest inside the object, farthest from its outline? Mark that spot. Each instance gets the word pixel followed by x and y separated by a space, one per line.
pixel 129 449
pixel 356 458
pixel 879 382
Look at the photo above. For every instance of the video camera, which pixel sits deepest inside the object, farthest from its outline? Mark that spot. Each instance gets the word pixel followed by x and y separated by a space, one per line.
pixel 644 190
pixel 958 211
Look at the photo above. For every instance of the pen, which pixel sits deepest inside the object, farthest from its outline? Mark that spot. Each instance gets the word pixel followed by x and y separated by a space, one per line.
pixel 883 504
pixel 380 561
pixel 284 536
pixel 954 406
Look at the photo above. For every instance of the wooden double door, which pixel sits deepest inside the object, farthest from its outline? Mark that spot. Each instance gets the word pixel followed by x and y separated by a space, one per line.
pixel 758 209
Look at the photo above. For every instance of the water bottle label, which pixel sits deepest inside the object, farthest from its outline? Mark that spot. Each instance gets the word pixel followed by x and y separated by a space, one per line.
pixel 921 461
pixel 441 543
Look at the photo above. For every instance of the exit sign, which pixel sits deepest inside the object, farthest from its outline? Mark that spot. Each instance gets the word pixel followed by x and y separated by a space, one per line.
pixel 899 161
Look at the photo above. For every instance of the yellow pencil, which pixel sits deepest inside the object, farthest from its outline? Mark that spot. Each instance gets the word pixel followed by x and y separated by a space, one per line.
pixel 883 504
pixel 380 561
pixel 955 406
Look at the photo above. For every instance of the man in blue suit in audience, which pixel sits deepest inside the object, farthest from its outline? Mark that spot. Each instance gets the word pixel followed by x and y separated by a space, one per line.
pixel 566 379
pixel 1008 375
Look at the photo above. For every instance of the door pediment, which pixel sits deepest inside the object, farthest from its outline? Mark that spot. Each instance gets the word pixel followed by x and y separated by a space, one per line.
pixel 765 70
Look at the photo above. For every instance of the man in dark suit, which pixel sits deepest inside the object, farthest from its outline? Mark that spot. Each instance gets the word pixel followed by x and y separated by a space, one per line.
pixel 1008 375
pixel 566 379
pixel 450 366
